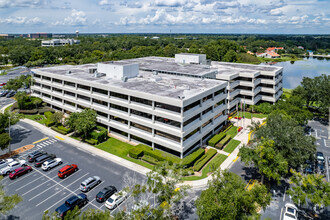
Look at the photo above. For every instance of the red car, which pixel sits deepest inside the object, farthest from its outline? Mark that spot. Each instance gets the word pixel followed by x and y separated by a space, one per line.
pixel 2 84
pixel 19 172
pixel 67 170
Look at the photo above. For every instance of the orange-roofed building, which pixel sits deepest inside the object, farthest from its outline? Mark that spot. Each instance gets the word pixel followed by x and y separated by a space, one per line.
pixel 274 49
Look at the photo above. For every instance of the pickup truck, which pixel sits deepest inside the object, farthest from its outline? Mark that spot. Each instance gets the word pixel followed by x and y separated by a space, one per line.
pixel 12 166
pixel 79 200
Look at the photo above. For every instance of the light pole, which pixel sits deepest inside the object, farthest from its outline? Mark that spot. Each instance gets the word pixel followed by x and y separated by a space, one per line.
pixel 9 133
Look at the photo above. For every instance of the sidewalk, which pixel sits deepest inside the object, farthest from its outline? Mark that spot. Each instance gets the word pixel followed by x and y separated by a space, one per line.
pixel 242 136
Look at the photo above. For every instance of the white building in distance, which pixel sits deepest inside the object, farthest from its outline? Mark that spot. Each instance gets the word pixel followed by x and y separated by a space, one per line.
pixel 166 103
pixel 58 42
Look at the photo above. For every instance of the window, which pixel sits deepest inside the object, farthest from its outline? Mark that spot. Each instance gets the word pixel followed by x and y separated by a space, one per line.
pixel 218 115
pixel 66 83
pixel 118 107
pixel 207 98
pixel 140 100
pixel 117 119
pixel 100 91
pixel 173 108
pixel 46 87
pixel 46 78
pixel 99 102
pixel 141 114
pixel 192 105
pixel 84 97
pixel 168 121
pixel 191 120
pixel 168 136
pixel 141 127
pixel 57 81
pixel 57 99
pixel 69 93
pixel 84 87
pixel 207 110
pixel 207 123
pixel 102 114
pixel 69 103
pixel 191 134
pixel 57 90
pixel 118 95
pixel 219 103
pixel 219 92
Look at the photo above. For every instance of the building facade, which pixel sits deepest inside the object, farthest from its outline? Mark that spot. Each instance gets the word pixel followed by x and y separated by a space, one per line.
pixel 158 101
pixel 58 42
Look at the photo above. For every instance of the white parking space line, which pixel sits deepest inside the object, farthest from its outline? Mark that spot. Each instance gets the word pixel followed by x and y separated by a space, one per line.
pixel 94 188
pixel 56 192
pixel 39 185
pixel 22 178
pixel 28 183
pixel 61 200
pixel 41 193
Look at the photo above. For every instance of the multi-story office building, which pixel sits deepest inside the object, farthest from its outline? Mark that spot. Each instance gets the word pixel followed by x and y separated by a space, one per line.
pixel 173 114
pixel 173 105
pixel 58 42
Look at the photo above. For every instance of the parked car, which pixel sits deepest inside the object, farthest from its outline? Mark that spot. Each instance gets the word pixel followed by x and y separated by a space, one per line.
pixel 320 157
pixel 320 168
pixel 79 200
pixel 3 93
pixel 67 170
pixel 10 94
pixel 105 193
pixel 35 154
pixel 290 212
pixel 5 162
pixel 40 160
pixel 51 163
pixel 116 199
pixel 3 84
pixel 19 172
pixel 89 183
pixel 12 166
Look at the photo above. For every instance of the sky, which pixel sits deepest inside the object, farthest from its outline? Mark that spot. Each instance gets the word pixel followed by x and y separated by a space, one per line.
pixel 166 16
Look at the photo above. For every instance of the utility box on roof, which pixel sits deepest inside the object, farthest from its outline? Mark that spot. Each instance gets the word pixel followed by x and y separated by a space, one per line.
pixel 118 70
pixel 190 58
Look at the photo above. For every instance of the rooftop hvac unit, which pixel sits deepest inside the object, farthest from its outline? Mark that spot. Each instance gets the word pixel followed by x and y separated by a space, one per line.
pixel 155 72
pixel 124 78
pixel 68 72
pixel 97 74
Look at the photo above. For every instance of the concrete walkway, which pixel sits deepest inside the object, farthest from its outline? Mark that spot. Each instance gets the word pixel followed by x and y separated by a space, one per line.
pixel 232 158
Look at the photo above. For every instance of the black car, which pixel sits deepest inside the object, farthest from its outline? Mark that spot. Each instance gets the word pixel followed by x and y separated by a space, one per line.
pixel 320 157
pixel 11 94
pixel 39 160
pixel 105 193
pixel 320 168
pixel 35 154
pixel 3 93
pixel 80 200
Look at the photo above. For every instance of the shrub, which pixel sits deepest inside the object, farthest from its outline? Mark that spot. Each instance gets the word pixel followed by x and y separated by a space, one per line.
pixel 223 142
pixel 30 112
pixel 215 139
pixel 100 136
pixel 150 159
pixel 187 172
pixel 91 141
pixel 136 152
pixel 209 154
pixel 44 109
pixel 48 115
pixel 49 123
pixel 189 160
pixel 59 130
pixel 200 159
pixel 154 153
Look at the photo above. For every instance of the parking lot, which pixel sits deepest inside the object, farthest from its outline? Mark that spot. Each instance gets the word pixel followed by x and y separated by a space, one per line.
pixel 43 191
pixel 5 101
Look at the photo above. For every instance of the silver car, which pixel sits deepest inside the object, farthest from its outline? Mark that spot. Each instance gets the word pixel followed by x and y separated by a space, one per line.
pixel 89 183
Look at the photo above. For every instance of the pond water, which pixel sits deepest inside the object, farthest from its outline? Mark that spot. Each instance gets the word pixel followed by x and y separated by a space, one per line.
pixel 293 72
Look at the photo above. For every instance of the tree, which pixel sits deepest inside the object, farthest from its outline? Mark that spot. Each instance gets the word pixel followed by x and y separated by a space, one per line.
pixel 4 120
pixel 266 159
pixel 226 198
pixel 20 98
pixel 82 122
pixel 37 102
pixel 7 203
pixel 57 117
pixel 4 141
pixel 13 84
pixel 231 56
pixel 289 138
pixel 312 187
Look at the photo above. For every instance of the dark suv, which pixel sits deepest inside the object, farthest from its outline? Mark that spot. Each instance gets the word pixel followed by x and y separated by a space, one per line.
pixel 39 160
pixel 80 200
pixel 105 193
pixel 35 154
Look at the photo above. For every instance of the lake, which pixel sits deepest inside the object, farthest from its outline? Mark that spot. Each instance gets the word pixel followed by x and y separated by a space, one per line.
pixel 309 67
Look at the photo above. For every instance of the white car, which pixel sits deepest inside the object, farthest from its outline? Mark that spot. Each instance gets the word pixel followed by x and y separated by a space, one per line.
pixel 5 162
pixel 290 212
pixel 49 164
pixel 116 199
pixel 12 166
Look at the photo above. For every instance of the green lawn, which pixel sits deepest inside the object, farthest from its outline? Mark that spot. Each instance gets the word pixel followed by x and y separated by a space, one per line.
pixel 120 149
pixel 34 117
pixel 215 162
pixel 232 131
pixel 231 146
pixel 255 115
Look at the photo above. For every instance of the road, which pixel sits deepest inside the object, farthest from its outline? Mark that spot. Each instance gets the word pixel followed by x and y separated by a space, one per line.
pixel 43 191
pixel 14 72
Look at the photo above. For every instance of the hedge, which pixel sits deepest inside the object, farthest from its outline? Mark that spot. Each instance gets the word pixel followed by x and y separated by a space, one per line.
pixel 209 154
pixel 223 142
pixel 48 115
pixel 44 109
pixel 99 136
pixel 150 159
pixel 30 112
pixel 91 141
pixel 59 130
pixel 215 139
pixel 135 152
pixel 189 160
pixel 49 123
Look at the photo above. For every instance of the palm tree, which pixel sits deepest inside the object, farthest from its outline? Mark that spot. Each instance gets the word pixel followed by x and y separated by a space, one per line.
pixel 20 97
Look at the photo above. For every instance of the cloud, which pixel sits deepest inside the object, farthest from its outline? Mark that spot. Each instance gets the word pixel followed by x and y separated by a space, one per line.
pixel 276 12
pixel 225 5
pixel 170 3
pixel 21 21
pixel 77 18
pixel 104 2
pixel 21 3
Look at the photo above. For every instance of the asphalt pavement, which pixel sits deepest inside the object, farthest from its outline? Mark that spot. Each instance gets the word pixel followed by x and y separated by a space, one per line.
pixel 43 191
pixel 14 72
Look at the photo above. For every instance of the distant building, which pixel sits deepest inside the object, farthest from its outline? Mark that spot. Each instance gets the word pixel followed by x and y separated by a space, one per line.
pixel 249 52
pixel 6 36
pixel 268 54
pixel 310 52
pixel 274 49
pixel 301 47
pixel 40 35
pixel 58 42
pixel 155 38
